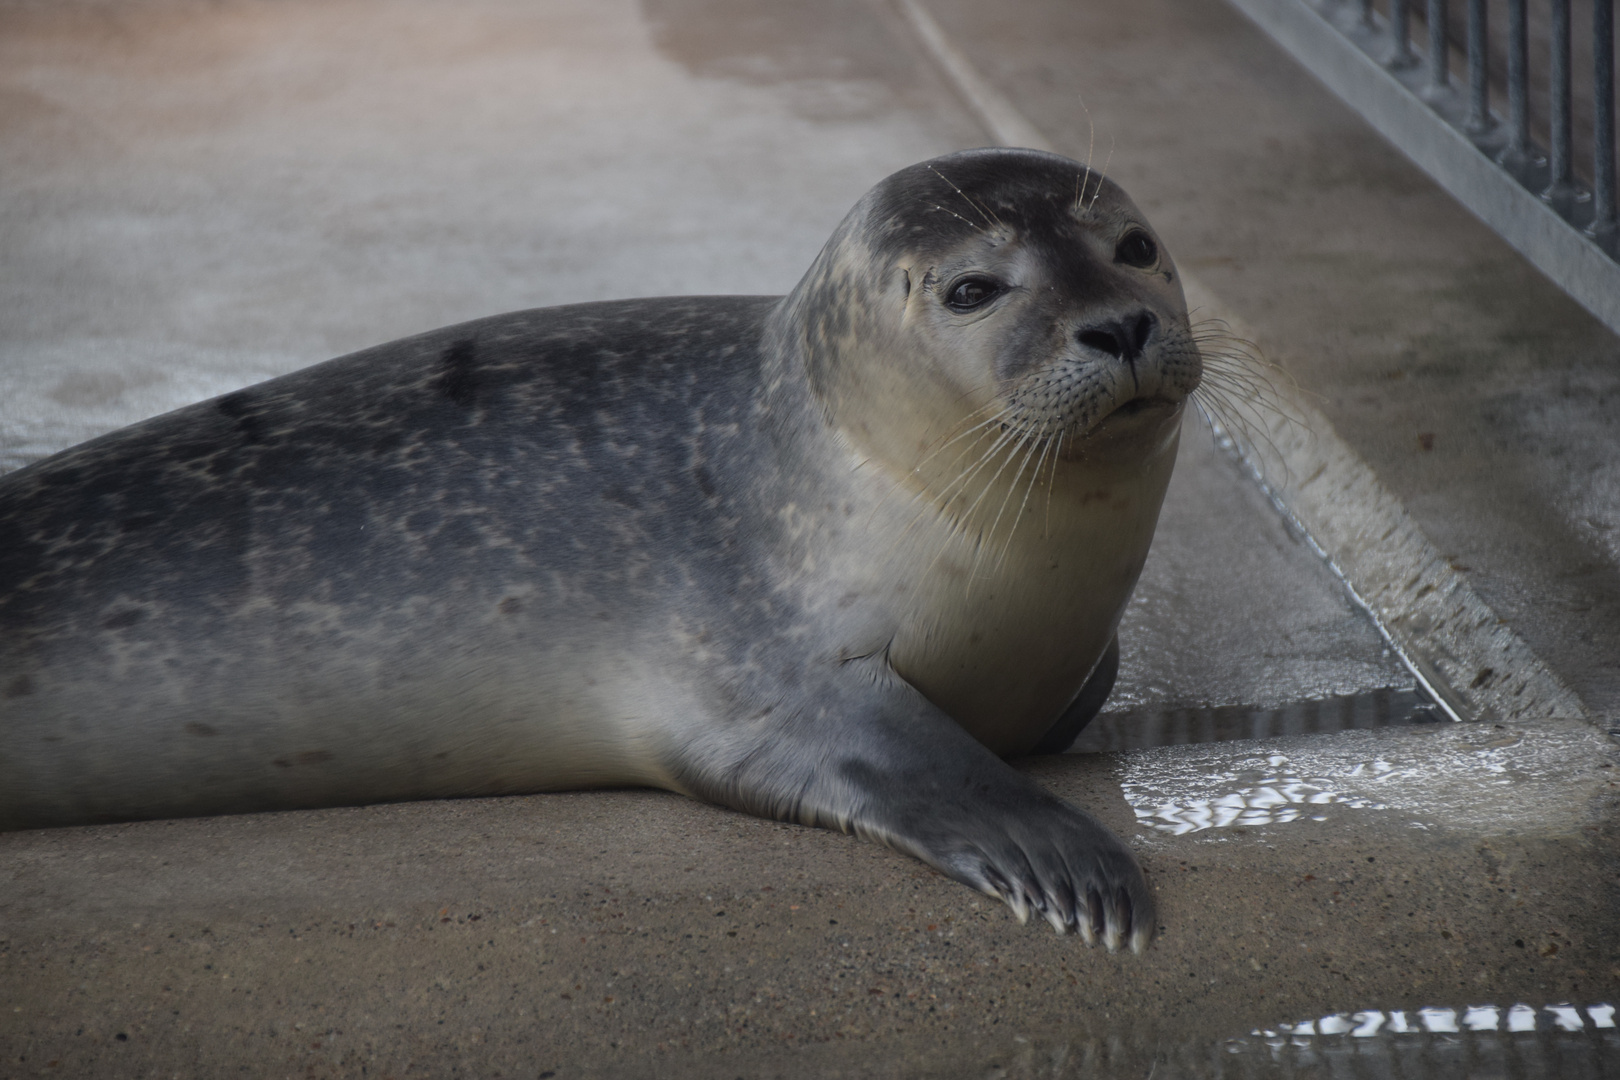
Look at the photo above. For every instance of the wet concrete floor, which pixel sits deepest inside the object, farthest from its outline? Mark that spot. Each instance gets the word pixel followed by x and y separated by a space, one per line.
pixel 199 196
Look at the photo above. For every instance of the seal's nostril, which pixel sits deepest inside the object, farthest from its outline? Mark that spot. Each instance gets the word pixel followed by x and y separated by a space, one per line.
pixel 1103 340
pixel 1123 339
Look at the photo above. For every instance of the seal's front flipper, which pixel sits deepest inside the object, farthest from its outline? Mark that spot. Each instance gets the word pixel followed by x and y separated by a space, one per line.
pixel 1086 705
pixel 868 754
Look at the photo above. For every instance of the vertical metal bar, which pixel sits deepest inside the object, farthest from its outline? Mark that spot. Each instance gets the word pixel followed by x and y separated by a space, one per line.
pixel 1439 73
pixel 1400 28
pixel 1603 222
pixel 1479 95
pixel 1366 12
pixel 1562 165
pixel 1518 58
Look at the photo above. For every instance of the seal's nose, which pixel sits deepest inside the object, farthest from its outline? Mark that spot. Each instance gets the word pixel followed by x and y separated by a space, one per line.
pixel 1123 339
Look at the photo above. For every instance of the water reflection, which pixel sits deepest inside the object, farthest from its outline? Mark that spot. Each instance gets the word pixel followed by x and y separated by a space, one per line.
pixel 1519 1018
pixel 1147 726
pixel 1456 776
pixel 1560 1041
pixel 1264 796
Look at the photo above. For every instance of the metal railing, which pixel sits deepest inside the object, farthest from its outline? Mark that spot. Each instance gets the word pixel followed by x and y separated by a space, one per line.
pixel 1537 199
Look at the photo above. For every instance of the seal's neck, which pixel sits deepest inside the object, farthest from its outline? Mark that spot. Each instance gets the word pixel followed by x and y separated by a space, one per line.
pixel 842 332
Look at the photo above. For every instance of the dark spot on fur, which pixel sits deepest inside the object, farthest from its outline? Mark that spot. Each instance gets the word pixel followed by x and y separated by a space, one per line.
pixel 705 482
pixel 21 686
pixel 238 407
pixel 194 728
pixel 123 620
pixel 511 606
pixel 458 383
pixel 388 443
pixel 461 532
pixel 422 522
pixel 304 757
pixel 618 493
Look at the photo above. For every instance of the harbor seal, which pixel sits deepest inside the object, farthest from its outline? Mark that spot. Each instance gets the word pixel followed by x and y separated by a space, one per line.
pixel 824 558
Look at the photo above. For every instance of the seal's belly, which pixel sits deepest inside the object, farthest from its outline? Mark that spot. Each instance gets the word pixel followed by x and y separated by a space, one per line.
pixel 271 718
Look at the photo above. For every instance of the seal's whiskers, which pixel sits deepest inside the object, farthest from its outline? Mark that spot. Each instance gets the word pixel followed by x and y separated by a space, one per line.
pixel 1107 161
pixel 1023 506
pixel 1238 395
pixel 1091 144
pixel 1033 441
pixel 972 225
pixel 984 211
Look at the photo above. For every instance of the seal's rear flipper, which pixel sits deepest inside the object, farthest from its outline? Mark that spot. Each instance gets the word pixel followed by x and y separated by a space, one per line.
pixel 1086 705
pixel 874 757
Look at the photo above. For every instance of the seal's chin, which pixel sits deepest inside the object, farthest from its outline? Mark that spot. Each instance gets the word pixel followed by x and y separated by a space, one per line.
pixel 1132 428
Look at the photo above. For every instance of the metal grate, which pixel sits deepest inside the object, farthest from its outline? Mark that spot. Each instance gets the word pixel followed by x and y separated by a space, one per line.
pixel 1536 197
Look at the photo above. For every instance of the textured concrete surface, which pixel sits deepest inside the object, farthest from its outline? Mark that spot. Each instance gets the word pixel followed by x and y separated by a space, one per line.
pixel 641 934
pixel 200 195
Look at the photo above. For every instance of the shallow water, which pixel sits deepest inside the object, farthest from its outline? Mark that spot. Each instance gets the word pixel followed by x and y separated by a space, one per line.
pixel 1140 728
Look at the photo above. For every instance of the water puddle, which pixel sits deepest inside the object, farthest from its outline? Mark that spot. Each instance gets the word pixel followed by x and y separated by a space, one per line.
pixel 1141 728
pixel 1516 1019
pixel 1454 775
pixel 1560 1041
pixel 1518 1042
pixel 1252 796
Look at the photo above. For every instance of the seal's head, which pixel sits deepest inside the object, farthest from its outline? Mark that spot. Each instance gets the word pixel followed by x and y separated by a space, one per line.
pixel 1000 342
pixel 1015 290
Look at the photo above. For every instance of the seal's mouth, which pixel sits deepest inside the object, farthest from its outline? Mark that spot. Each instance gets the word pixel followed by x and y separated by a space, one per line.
pixel 1155 407
pixel 1136 405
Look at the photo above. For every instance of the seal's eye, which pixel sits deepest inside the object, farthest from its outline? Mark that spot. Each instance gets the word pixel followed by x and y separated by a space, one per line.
pixel 973 292
pixel 1137 249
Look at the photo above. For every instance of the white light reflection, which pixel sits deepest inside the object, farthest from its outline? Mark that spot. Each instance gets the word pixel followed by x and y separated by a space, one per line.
pixel 1273 795
pixel 1566 1017
pixel 1442 1021
pixel 1446 777
pixel 1552 1042
pixel 1439 1020
pixel 1521 1018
